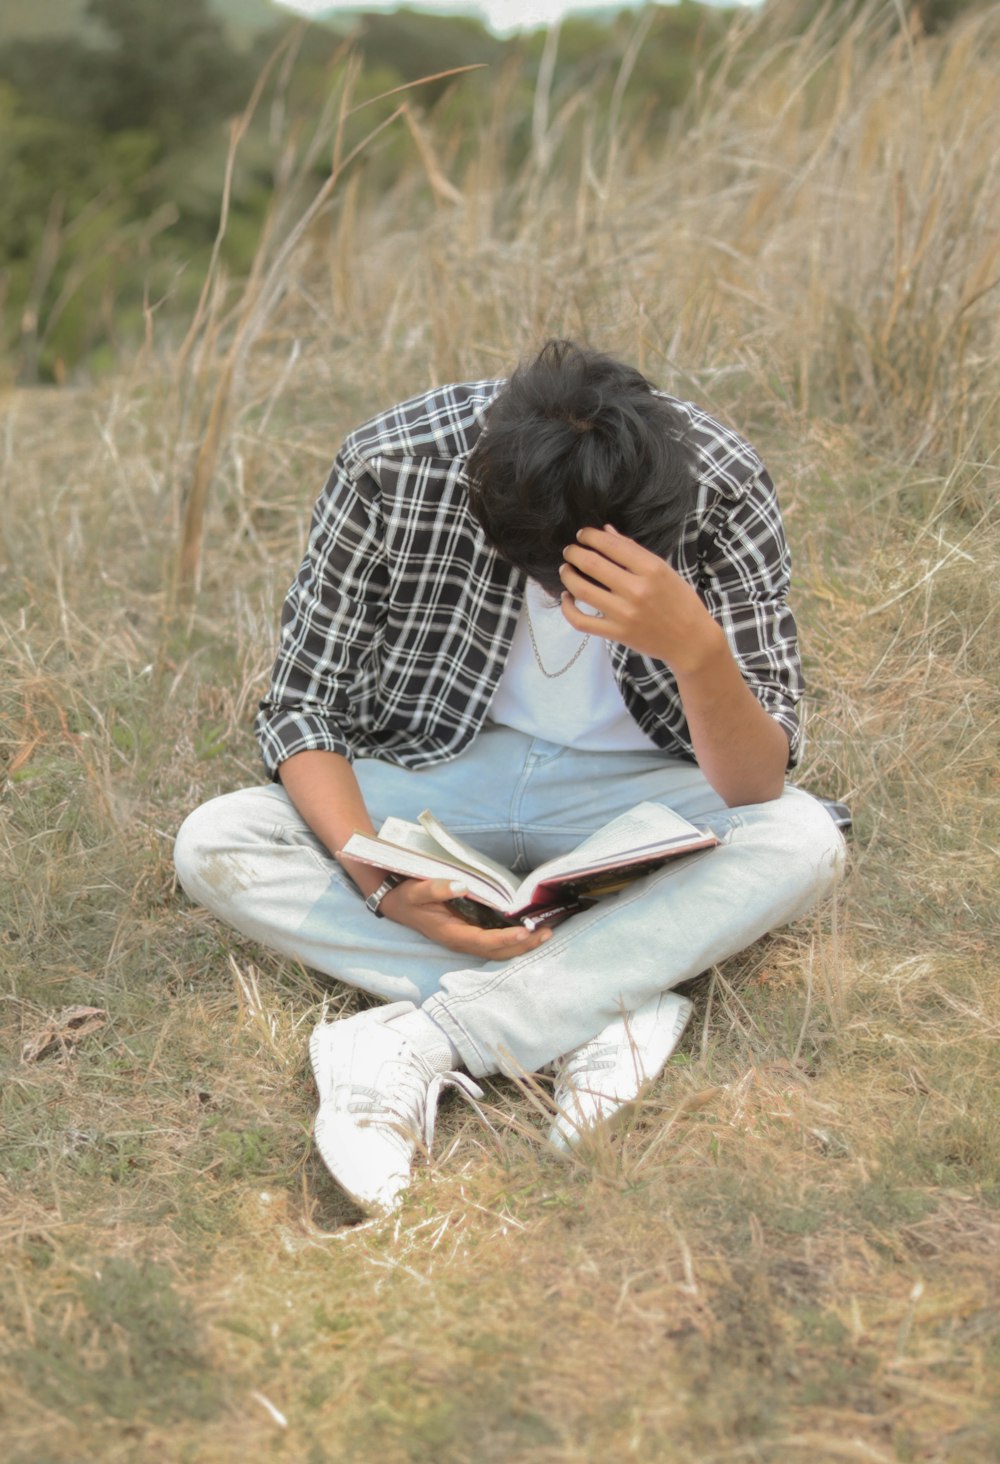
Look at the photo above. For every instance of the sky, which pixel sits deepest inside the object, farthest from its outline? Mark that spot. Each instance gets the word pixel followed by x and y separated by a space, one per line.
pixel 502 16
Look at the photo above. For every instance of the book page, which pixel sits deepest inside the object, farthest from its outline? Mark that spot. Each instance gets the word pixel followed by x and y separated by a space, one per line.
pixel 405 835
pixel 424 861
pixel 430 851
pixel 645 831
pixel 466 855
pixel 433 839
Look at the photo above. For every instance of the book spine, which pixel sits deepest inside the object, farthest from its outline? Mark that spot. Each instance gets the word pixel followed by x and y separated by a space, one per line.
pixel 553 914
pixel 533 919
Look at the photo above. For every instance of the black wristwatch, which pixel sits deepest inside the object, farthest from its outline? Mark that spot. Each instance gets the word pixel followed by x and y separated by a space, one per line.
pixel 376 897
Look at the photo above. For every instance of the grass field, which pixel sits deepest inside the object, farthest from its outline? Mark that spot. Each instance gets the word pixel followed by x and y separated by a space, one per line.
pixel 791 1252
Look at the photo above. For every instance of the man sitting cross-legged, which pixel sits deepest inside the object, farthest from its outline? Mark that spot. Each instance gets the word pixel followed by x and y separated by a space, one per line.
pixel 529 605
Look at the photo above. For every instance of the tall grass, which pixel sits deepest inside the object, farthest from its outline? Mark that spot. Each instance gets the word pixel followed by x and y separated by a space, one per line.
pixel 788 1251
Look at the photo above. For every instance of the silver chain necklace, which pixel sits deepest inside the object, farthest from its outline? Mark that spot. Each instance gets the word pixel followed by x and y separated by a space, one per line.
pixel 551 675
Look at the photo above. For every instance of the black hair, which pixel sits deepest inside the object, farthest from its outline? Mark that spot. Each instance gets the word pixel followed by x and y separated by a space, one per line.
pixel 577 438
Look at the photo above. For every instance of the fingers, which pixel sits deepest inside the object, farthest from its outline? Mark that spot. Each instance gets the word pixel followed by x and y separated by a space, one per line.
pixel 423 906
pixel 441 925
pixel 580 620
pixel 453 930
pixel 610 573
pixel 589 594
pixel 499 945
pixel 614 546
pixel 599 567
pixel 435 891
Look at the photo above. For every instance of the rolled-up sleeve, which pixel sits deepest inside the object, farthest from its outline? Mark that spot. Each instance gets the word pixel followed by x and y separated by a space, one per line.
pixel 745 576
pixel 329 623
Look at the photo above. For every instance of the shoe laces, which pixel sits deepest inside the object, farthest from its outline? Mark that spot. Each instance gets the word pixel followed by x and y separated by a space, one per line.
pixel 439 1082
pixel 592 1057
pixel 409 1110
pixel 598 1055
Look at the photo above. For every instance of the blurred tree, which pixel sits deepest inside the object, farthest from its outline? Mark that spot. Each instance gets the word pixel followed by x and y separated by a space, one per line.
pixel 415 45
pixel 112 146
pixel 55 76
pixel 74 202
pixel 108 136
pixel 168 67
pixel 930 15
pixel 936 15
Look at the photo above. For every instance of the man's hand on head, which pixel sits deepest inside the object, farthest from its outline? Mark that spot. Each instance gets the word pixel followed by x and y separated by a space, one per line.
pixel 642 602
pixel 645 605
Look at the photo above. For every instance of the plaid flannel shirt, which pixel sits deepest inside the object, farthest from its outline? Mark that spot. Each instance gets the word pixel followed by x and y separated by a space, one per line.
pixel 395 631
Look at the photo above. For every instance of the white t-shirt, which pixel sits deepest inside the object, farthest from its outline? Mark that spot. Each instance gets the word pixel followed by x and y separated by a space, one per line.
pixel 582 707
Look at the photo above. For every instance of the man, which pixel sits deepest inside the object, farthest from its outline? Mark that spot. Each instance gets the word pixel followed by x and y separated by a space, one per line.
pixel 528 605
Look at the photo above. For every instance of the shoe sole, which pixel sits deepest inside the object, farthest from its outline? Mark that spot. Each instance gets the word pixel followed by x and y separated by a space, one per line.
pixel 323 1065
pixel 318 1059
pixel 331 1152
pixel 324 1055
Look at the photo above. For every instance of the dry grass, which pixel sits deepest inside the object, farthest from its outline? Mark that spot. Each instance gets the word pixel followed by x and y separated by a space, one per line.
pixel 789 1251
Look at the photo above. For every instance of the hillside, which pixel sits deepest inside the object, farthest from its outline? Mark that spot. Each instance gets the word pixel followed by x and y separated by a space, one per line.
pixel 113 156
pixel 51 19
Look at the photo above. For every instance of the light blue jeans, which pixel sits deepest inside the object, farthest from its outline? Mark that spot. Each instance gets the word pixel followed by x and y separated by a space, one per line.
pixel 250 858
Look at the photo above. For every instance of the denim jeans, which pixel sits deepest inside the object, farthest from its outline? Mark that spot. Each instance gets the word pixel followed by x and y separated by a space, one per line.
pixel 250 858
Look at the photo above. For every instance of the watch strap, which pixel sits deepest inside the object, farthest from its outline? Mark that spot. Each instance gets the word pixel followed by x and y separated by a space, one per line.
pixel 376 897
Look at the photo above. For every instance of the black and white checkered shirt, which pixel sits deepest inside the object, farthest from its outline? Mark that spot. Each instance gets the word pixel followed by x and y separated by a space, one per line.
pixel 395 632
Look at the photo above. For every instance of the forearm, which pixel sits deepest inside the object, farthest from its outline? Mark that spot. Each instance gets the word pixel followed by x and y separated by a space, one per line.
pixel 742 751
pixel 324 790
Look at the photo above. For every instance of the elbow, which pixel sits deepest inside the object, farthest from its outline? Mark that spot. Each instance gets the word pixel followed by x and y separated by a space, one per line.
pixel 763 782
pixel 741 795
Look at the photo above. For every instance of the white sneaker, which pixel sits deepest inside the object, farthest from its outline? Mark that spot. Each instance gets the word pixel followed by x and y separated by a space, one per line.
pixel 596 1080
pixel 377 1102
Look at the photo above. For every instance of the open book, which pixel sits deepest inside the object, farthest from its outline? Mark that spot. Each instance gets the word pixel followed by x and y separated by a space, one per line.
pixel 633 844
